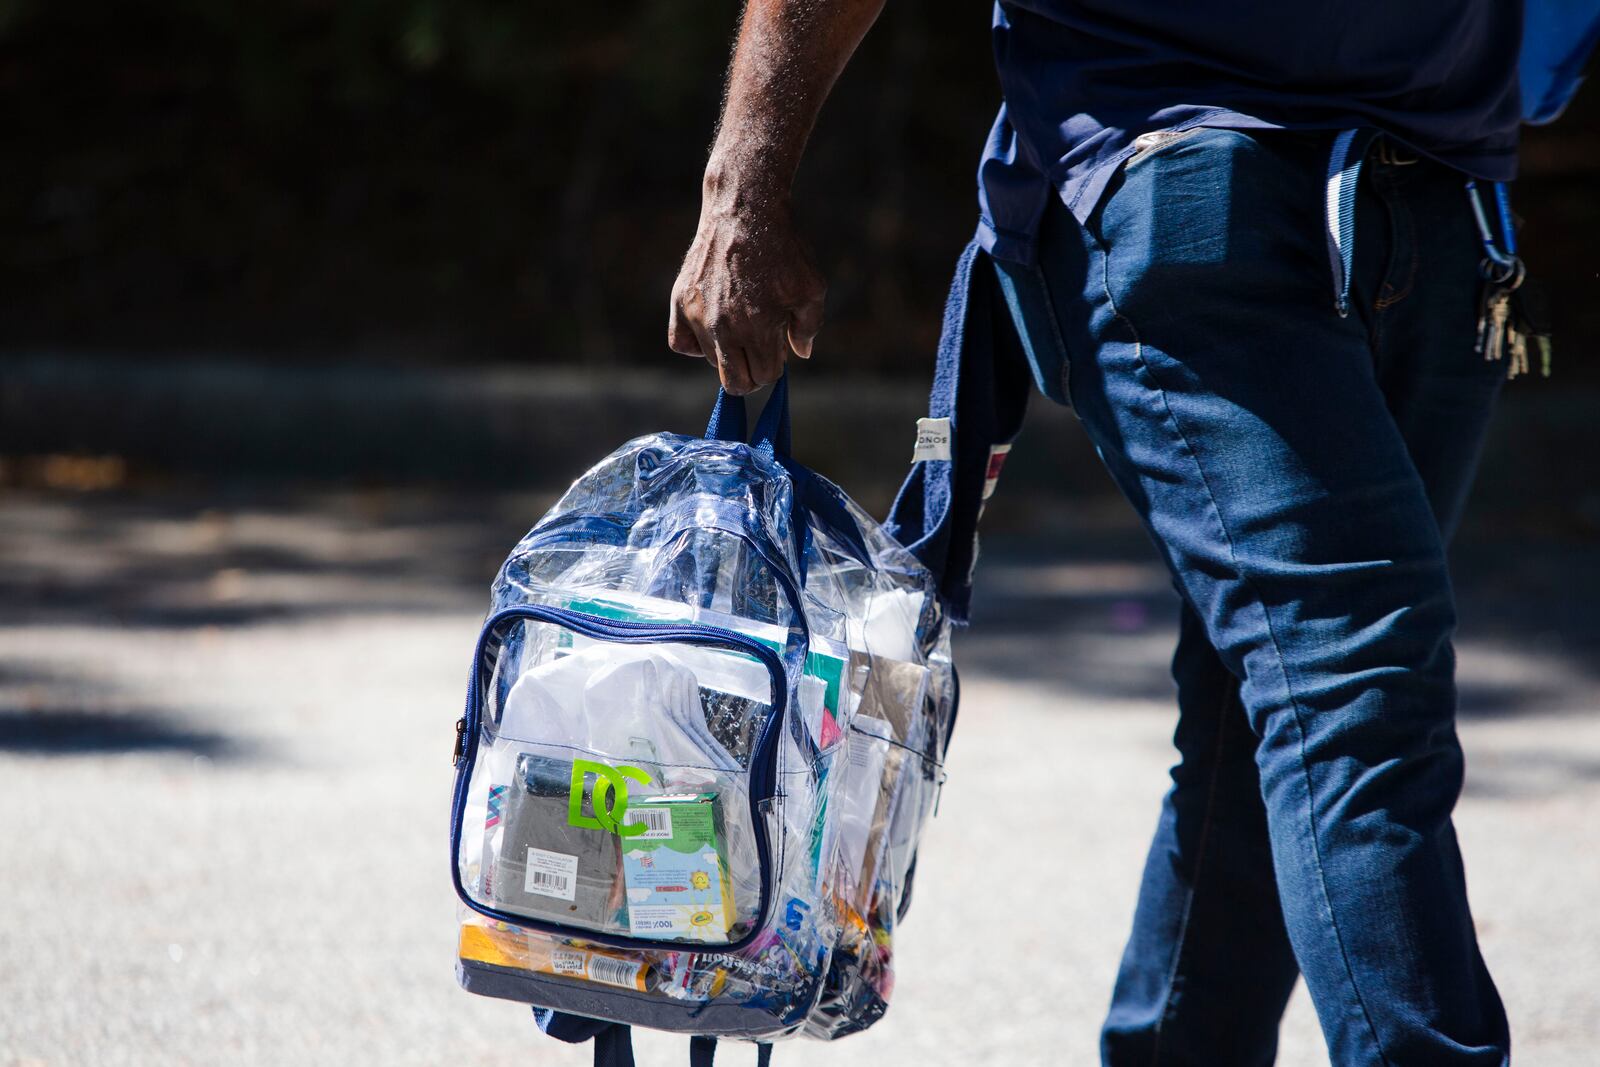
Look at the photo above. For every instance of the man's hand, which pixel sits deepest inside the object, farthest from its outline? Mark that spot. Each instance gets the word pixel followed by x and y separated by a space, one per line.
pixel 748 293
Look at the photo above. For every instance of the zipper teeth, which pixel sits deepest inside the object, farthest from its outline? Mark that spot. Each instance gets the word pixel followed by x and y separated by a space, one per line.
pixel 766 752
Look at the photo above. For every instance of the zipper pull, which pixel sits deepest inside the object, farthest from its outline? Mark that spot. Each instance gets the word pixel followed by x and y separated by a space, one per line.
pixel 460 753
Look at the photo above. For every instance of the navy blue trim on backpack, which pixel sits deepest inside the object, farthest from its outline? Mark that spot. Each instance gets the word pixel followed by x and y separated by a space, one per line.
pixel 763 761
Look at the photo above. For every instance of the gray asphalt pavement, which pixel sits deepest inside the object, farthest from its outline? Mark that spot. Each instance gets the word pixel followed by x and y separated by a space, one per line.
pixel 223 788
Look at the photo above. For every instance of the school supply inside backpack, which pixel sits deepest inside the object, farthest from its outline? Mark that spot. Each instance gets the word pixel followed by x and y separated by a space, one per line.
pixel 705 727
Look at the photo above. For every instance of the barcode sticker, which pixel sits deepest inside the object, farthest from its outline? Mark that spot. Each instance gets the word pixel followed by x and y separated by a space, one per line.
pixel 551 874
pixel 621 973
pixel 658 823
pixel 567 961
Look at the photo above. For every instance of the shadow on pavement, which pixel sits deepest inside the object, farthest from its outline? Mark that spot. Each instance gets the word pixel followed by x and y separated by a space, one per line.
pixel 1097 619
pixel 165 560
pixel 1071 595
pixel 47 713
pixel 73 733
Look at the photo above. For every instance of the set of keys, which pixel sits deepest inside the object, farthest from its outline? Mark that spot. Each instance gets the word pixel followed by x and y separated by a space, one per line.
pixel 1513 318
pixel 1513 314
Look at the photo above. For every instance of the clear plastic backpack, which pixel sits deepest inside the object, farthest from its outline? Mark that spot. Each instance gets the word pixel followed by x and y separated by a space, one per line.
pixel 705 727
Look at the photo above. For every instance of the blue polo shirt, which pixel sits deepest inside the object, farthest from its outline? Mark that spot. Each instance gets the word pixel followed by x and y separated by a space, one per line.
pixel 1083 78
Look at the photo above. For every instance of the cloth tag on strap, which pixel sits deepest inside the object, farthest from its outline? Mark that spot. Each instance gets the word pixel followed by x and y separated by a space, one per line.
pixel 997 460
pixel 933 440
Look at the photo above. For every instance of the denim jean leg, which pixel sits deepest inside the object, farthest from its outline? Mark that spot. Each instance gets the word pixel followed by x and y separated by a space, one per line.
pixel 1246 423
pixel 1208 967
pixel 1421 299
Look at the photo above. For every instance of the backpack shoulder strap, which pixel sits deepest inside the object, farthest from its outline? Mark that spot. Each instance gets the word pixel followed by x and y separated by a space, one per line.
pixel 703 1052
pixel 980 394
pixel 613 1047
pixel 613 1042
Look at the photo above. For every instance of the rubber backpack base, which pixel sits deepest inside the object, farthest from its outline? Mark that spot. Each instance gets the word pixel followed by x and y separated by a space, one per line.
pixel 572 998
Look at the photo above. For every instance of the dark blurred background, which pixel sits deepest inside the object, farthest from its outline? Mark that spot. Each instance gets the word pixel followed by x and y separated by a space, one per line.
pixel 421 240
pixel 471 181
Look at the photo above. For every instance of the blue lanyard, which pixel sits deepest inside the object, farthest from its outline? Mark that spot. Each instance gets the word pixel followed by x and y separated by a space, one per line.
pixel 1505 259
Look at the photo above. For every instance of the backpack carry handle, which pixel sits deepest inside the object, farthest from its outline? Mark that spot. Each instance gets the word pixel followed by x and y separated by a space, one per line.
pixel 774 436
pixel 728 422
pixel 774 430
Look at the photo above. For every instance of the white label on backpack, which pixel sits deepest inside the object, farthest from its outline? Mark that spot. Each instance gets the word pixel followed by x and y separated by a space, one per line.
pixel 933 440
pixel 551 874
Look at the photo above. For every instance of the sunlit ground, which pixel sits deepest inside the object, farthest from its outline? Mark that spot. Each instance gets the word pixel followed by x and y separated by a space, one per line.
pixel 224 719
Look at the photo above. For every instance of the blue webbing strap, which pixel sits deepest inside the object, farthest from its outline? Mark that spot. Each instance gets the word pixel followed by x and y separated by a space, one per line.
pixel 728 422
pixel 613 1047
pixel 613 1043
pixel 703 1052
pixel 981 384
pixel 774 426
pixel 774 433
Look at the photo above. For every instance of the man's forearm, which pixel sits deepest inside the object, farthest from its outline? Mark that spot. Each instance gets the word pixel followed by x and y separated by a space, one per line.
pixel 748 293
pixel 789 54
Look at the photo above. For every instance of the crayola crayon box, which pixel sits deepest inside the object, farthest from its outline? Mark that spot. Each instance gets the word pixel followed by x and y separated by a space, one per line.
pixel 675 873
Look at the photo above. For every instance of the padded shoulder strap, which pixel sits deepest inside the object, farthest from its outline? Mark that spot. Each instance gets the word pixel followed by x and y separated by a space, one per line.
pixel 979 396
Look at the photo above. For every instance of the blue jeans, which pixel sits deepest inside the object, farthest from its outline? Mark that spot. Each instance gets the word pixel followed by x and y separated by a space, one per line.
pixel 1301 474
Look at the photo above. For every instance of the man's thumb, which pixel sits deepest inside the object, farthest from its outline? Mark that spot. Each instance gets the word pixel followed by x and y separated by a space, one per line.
pixel 804 323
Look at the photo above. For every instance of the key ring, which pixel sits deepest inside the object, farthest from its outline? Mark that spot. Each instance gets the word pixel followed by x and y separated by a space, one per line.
pixel 1508 275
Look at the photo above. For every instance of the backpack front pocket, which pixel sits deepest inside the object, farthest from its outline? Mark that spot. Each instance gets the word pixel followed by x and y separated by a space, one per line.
pixel 617 779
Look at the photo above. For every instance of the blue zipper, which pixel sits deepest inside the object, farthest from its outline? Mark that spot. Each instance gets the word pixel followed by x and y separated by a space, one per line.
pixel 575 529
pixel 763 761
